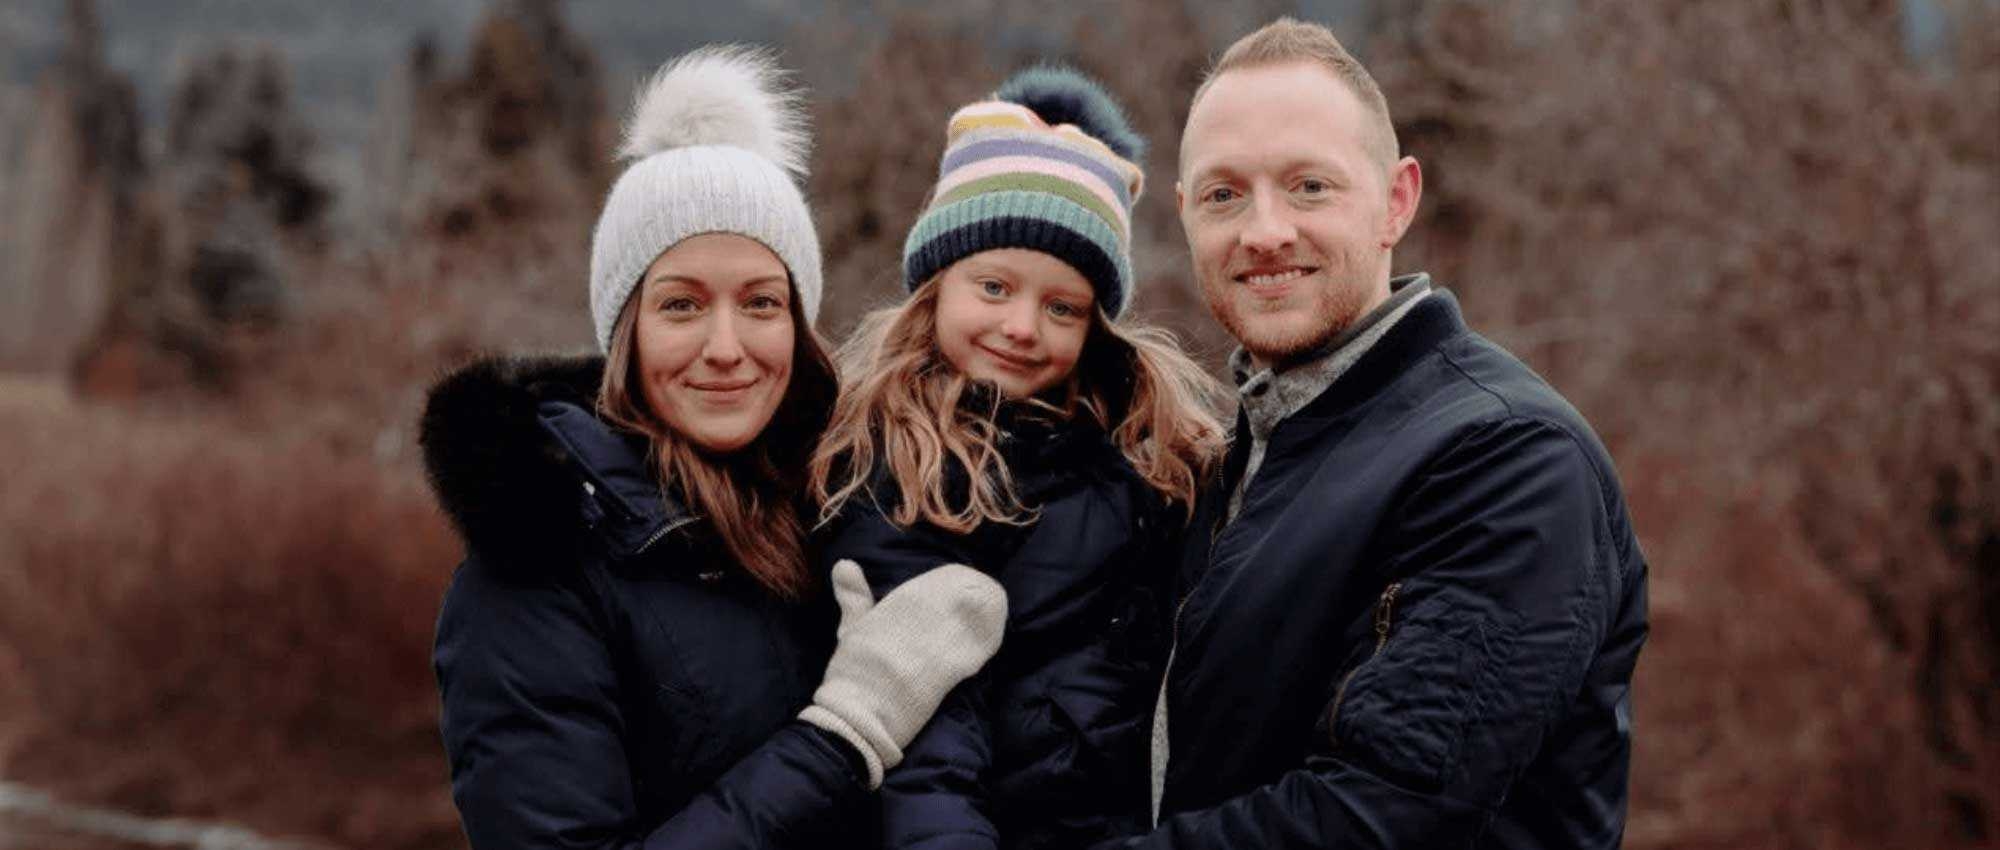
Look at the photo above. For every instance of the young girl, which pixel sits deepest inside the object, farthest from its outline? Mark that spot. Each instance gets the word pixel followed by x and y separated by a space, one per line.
pixel 1003 418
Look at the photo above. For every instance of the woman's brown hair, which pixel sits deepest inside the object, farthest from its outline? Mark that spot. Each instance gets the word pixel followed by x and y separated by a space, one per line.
pixel 903 406
pixel 751 497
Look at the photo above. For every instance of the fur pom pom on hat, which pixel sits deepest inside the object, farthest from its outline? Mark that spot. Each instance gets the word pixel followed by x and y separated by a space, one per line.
pixel 717 140
pixel 1048 164
pixel 1062 96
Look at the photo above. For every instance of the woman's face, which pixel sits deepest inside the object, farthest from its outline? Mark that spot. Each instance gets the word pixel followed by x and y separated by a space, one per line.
pixel 714 338
pixel 1015 317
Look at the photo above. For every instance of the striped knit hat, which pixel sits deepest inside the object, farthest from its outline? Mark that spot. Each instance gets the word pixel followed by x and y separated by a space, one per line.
pixel 1047 164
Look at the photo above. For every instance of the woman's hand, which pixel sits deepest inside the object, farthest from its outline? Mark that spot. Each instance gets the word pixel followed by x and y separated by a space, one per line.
pixel 897 658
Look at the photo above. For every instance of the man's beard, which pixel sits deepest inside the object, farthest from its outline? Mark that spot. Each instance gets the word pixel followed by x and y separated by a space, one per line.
pixel 1336 304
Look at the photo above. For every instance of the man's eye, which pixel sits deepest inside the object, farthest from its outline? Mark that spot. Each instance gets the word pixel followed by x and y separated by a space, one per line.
pixel 1314 186
pixel 1220 195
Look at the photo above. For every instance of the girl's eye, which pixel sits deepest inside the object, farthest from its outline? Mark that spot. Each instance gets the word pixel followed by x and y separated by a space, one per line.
pixel 993 287
pixel 1064 310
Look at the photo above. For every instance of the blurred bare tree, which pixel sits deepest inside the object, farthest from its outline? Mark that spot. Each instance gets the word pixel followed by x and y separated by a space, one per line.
pixel 520 135
pixel 76 223
pixel 239 177
pixel 232 208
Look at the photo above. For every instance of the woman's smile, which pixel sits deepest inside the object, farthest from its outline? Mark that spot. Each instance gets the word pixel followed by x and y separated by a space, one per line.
pixel 724 392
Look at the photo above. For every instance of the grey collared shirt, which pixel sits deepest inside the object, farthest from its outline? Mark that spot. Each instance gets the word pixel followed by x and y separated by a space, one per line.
pixel 1271 395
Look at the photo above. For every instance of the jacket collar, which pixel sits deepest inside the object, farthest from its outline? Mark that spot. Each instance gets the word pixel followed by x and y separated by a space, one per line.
pixel 1045 451
pixel 625 503
pixel 1429 323
pixel 531 477
pixel 1271 395
pixel 1402 290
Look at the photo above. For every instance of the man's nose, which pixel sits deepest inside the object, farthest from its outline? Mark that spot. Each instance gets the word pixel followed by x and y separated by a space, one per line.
pixel 1269 228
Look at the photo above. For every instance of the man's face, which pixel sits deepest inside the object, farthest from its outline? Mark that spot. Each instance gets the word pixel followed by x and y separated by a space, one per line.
pixel 1289 216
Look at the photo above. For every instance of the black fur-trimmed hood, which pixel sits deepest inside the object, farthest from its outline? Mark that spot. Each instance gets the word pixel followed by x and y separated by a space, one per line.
pixel 527 473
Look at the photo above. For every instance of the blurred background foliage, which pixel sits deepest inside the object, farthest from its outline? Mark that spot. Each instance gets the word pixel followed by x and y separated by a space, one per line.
pixel 1753 240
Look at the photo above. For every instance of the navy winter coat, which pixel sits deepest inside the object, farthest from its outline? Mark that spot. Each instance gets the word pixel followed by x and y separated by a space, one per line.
pixel 1420 630
pixel 1046 747
pixel 609 679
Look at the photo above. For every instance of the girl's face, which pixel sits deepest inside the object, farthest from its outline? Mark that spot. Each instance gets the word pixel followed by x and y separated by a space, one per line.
pixel 714 339
pixel 1015 317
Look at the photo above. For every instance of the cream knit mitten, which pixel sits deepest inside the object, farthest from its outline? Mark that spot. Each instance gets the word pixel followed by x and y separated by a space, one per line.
pixel 897 658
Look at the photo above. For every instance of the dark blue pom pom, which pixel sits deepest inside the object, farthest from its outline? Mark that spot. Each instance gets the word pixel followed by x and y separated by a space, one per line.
pixel 1062 96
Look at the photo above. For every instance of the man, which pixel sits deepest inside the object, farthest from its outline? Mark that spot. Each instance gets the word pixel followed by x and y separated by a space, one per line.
pixel 1411 608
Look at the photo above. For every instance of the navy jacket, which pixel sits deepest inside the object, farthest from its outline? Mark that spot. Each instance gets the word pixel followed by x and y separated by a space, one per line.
pixel 609 679
pixel 1420 630
pixel 1046 747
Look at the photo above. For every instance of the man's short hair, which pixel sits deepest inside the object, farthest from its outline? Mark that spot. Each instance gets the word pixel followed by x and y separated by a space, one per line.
pixel 1287 40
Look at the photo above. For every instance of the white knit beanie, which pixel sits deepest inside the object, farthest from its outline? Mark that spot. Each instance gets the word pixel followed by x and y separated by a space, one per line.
pixel 718 140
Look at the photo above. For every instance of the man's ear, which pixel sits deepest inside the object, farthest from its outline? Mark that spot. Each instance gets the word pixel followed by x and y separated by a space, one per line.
pixel 1180 198
pixel 1406 189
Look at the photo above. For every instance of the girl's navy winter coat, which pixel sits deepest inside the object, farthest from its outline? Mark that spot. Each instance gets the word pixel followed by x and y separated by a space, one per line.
pixel 1046 747
pixel 609 678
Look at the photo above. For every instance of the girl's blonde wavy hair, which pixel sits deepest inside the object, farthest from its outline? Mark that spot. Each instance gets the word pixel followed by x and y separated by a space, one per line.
pixel 905 407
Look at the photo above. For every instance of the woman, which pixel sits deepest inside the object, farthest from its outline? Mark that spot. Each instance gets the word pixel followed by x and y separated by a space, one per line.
pixel 635 650
pixel 1005 417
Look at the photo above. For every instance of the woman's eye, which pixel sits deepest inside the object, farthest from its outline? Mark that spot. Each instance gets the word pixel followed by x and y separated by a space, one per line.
pixel 680 304
pixel 763 303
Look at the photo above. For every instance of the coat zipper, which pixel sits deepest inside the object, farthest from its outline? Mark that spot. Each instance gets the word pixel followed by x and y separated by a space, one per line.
pixel 1174 633
pixel 620 507
pixel 663 532
pixel 1384 617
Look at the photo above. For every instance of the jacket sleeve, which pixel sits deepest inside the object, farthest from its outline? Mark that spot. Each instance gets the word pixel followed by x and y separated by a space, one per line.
pixel 935 799
pixel 534 725
pixel 1503 579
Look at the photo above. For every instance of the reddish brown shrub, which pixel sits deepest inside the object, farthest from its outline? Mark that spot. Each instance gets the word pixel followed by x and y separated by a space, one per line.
pixel 212 622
